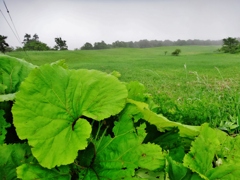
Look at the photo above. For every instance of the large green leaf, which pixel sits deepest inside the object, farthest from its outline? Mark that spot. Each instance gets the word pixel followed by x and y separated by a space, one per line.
pixel 51 107
pixel 137 92
pixel 149 175
pixel 3 126
pixel 12 156
pixel 176 170
pixel 214 155
pixel 12 72
pixel 163 123
pixel 117 157
pixel 35 171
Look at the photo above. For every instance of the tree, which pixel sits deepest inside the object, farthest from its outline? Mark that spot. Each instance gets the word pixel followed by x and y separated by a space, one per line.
pixel 18 48
pixel 27 38
pixel 33 44
pixel 176 52
pixel 60 44
pixel 3 44
pixel 55 48
pixel 87 46
pixel 230 45
pixel 100 45
pixel 119 44
pixel 9 49
pixel 36 37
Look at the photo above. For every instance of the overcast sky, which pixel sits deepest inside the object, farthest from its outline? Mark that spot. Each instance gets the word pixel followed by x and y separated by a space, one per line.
pixel 81 21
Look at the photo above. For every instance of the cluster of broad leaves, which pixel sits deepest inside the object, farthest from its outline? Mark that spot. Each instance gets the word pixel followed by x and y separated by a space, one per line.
pixel 58 123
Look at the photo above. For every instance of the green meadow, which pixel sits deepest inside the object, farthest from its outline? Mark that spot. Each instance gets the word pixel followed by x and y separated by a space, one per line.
pixel 200 85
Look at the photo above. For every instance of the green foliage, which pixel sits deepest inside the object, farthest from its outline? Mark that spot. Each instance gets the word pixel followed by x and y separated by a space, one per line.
pixel 231 126
pixel 149 175
pixel 144 43
pixel 35 171
pixel 27 38
pixel 100 45
pixel 3 44
pixel 230 45
pixel 191 95
pixel 9 49
pixel 87 46
pixel 96 95
pixel 220 154
pixel 3 126
pixel 163 123
pixel 60 44
pixel 176 170
pixel 34 44
pixel 86 124
pixel 216 103
pixel 12 156
pixel 117 158
pixel 176 52
pixel 13 71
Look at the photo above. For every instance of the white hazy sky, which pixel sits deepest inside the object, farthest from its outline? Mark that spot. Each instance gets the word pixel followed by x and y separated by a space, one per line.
pixel 81 21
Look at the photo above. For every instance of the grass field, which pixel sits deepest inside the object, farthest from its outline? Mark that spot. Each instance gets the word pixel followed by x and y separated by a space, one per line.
pixel 200 85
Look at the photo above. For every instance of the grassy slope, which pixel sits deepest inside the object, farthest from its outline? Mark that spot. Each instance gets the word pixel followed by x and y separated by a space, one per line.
pixel 199 85
pixel 149 66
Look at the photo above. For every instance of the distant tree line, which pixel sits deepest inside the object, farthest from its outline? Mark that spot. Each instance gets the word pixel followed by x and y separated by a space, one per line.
pixel 149 43
pixel 32 43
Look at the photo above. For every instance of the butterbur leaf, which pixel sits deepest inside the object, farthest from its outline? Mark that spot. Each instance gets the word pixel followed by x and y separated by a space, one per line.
pixel 137 92
pixel 2 88
pixel 12 156
pixel 202 152
pixel 3 126
pixel 214 155
pixel 12 72
pixel 51 107
pixel 151 157
pixel 117 157
pixel 116 74
pixel 177 154
pixel 176 170
pixel 163 123
pixel 192 176
pixel 35 171
pixel 61 63
pixel 229 149
pixel 225 171
pixel 149 175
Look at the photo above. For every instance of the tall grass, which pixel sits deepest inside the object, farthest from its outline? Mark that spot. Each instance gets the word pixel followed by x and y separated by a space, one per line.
pixel 216 101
